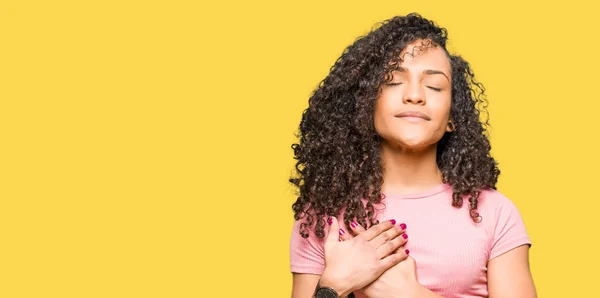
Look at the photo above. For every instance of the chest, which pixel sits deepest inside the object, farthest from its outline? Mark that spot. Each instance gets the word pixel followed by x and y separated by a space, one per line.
pixel 451 251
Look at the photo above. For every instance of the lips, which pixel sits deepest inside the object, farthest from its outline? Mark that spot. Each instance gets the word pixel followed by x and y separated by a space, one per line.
pixel 414 114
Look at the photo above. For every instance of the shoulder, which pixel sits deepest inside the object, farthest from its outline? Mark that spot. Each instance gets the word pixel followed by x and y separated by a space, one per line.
pixel 493 201
pixel 503 222
pixel 495 207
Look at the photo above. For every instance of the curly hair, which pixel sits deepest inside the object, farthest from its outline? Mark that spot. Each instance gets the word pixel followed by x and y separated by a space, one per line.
pixel 338 151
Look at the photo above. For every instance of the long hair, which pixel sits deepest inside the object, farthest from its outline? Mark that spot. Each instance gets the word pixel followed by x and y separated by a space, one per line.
pixel 338 150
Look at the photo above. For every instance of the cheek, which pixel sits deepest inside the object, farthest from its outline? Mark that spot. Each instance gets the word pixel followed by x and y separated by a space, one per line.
pixel 440 130
pixel 382 110
pixel 378 121
pixel 441 112
pixel 390 100
pixel 440 107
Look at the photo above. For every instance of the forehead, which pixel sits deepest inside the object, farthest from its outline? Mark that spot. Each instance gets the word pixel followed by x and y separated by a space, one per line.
pixel 424 55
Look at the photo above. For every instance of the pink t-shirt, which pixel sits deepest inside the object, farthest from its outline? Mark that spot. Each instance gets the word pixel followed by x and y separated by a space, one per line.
pixel 450 249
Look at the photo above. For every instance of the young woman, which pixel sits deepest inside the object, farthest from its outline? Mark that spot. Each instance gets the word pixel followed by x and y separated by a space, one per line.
pixel 392 144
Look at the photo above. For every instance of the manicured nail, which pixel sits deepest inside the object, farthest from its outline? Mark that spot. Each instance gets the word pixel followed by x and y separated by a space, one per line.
pixel 342 232
pixel 340 239
pixel 407 251
pixel 353 224
pixel 330 220
pixel 393 221
pixel 403 226
pixel 405 236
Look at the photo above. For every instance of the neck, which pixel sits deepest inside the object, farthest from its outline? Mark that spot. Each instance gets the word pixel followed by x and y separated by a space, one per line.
pixel 409 171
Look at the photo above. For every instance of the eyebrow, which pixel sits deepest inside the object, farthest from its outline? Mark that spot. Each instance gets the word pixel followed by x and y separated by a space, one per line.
pixel 427 72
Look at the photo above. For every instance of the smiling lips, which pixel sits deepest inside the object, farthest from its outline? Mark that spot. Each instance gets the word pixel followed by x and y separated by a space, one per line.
pixel 413 114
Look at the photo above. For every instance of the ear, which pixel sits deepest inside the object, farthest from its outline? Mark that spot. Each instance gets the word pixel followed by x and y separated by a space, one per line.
pixel 450 127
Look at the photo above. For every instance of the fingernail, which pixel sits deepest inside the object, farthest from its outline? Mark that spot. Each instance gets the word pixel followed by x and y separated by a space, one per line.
pixel 330 220
pixel 403 226
pixel 393 221
pixel 342 232
pixel 407 251
pixel 353 224
pixel 340 239
pixel 405 236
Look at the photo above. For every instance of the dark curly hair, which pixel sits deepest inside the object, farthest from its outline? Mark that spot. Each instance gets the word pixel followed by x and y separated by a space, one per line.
pixel 338 151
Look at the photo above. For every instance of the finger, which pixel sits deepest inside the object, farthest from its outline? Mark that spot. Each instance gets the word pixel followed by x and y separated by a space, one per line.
pixel 393 259
pixel 345 235
pixel 404 235
pixel 377 229
pixel 401 248
pixel 356 228
pixel 390 247
pixel 332 236
pixel 388 235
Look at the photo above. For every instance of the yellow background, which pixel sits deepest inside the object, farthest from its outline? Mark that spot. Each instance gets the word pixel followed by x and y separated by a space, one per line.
pixel 145 145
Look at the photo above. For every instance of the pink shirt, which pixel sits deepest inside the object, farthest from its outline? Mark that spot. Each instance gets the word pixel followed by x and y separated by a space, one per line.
pixel 450 249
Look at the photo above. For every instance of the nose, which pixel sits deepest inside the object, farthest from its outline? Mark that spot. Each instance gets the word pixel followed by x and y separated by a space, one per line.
pixel 413 95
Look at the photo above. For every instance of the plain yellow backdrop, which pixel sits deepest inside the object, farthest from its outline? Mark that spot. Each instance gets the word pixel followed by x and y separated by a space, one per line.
pixel 145 145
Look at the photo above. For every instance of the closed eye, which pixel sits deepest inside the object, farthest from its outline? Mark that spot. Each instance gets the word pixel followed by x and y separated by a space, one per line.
pixel 434 89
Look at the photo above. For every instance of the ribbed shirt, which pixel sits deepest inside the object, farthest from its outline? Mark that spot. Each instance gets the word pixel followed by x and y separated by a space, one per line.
pixel 450 249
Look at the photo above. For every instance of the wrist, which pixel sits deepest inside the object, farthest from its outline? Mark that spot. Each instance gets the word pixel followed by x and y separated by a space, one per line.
pixel 341 287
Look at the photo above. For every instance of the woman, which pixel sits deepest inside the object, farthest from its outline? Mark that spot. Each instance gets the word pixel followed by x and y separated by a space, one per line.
pixel 391 145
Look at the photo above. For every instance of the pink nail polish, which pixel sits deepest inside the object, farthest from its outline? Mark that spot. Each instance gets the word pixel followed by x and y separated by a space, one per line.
pixel 393 221
pixel 353 224
pixel 407 251
pixel 340 239
pixel 342 232
pixel 330 220
pixel 405 236
pixel 403 226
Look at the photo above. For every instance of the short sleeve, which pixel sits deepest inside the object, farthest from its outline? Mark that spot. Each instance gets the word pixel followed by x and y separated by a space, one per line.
pixel 307 255
pixel 509 230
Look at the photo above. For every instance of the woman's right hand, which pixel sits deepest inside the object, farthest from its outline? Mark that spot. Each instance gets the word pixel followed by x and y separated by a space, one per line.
pixel 352 264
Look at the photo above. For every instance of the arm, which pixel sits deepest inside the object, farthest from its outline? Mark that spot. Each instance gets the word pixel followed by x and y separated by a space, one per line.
pixel 509 275
pixel 304 285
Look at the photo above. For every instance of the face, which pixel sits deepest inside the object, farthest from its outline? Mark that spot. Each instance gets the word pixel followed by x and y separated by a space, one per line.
pixel 413 109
